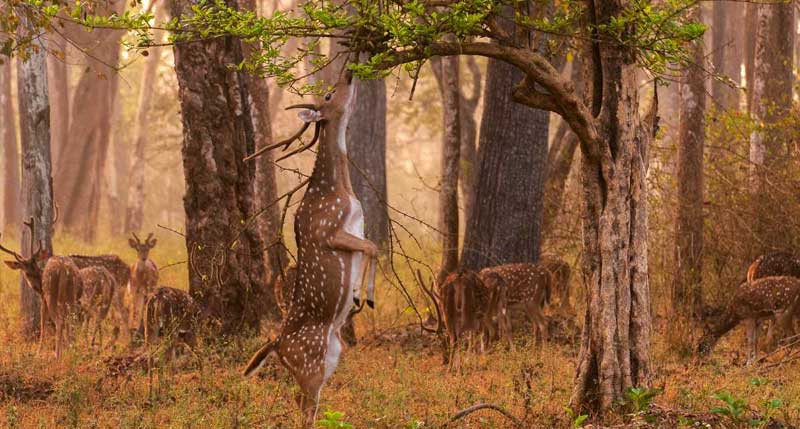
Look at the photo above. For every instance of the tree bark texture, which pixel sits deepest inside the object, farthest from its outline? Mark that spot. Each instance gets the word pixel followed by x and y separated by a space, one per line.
pixel 772 101
pixel 8 132
pixel 615 342
pixel 266 187
pixel 687 292
pixel 58 83
pixel 226 265
pixel 81 166
pixel 449 88
pixel 37 183
pixel 468 155
pixel 750 25
pixel 728 44
pixel 366 146
pixel 505 224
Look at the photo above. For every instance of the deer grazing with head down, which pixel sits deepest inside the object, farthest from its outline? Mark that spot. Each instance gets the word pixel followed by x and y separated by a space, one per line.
pixel 57 281
pixel 776 298
pixel 560 272
pixel 773 265
pixel 101 294
pixel 333 256
pixel 171 316
pixel 528 286
pixel 144 277
pixel 464 301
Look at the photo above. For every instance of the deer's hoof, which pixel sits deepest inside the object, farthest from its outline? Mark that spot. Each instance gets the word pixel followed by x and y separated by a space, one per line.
pixel 371 303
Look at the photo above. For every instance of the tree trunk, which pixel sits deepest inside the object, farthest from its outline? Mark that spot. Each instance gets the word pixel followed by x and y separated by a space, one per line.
pixel 37 183
pixel 447 76
pixel 687 292
pixel 81 168
pixel 727 55
pixel 468 154
pixel 772 101
pixel 504 225
pixel 8 132
pixel 226 265
pixel 366 144
pixel 615 342
pixel 266 187
pixel 120 162
pixel 58 83
pixel 750 25
pixel 134 213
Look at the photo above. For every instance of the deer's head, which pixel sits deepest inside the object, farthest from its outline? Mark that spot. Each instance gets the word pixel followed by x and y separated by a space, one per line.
pixel 142 248
pixel 31 267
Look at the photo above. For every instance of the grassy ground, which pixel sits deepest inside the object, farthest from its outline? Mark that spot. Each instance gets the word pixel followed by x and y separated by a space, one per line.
pixel 393 379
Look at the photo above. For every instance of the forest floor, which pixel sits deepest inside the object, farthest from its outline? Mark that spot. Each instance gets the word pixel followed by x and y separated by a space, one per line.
pixel 394 378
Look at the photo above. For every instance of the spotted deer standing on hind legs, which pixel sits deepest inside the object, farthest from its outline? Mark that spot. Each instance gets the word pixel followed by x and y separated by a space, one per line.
pixel 333 257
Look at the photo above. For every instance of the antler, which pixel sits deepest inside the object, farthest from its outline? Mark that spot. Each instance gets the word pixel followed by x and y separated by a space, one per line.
pixel 11 252
pixel 302 149
pixel 149 238
pixel 136 237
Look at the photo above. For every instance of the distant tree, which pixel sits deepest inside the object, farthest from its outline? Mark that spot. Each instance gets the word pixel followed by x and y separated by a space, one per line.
pixel 728 51
pixel 37 182
pixel 80 171
pixel 447 75
pixel 58 87
pixel 8 133
pixel 226 265
pixel 688 271
pixel 770 142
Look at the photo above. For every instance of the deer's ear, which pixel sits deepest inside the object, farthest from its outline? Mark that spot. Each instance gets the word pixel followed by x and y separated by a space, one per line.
pixel 309 115
pixel 132 243
pixel 153 242
pixel 14 265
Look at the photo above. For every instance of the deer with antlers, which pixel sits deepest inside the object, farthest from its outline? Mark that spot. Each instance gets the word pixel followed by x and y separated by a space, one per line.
pixel 56 280
pixel 333 256
pixel 143 277
pixel 528 286
pixel 776 298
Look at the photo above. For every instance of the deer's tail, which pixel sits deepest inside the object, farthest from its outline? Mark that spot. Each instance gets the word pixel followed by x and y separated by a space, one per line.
pixel 751 271
pixel 260 358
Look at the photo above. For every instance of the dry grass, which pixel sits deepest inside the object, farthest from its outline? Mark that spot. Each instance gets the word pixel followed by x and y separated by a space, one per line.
pixel 393 379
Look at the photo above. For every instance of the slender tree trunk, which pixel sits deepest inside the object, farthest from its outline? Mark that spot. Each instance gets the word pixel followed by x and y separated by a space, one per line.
pixel 751 21
pixel 687 292
pixel 8 132
pixel 134 213
pixel 366 141
pixel 266 187
pixel 226 265
pixel 119 160
pixel 447 75
pixel 80 170
pixel 58 83
pixel 727 54
pixel 505 224
pixel 37 183
pixel 771 103
pixel 615 342
pixel 468 155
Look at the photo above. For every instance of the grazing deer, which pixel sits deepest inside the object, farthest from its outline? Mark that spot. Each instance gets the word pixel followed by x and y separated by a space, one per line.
pixel 333 257
pixel 464 301
pixel 560 272
pixel 528 285
pixel 101 293
pixel 171 314
pixel 284 289
pixel 772 265
pixel 144 277
pixel 769 297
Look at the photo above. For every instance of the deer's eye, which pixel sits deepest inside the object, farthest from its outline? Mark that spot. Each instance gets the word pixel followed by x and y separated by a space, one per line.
pixel 328 97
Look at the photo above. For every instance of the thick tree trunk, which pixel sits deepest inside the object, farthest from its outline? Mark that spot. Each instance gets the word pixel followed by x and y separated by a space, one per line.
pixel 134 212
pixel 266 187
pixel 226 265
pixel 687 292
pixel 771 103
pixel 505 224
pixel 366 142
pixel 728 51
pixel 615 342
pixel 8 132
pixel 37 183
pixel 58 83
pixel 81 168
pixel 468 155
pixel 447 76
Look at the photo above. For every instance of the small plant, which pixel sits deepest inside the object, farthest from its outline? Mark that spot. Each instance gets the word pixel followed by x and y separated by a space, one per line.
pixel 577 419
pixel 734 409
pixel 640 398
pixel 415 424
pixel 758 381
pixel 12 417
pixel 333 420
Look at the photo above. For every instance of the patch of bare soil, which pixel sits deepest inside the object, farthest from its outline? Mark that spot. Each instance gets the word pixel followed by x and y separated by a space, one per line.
pixel 23 389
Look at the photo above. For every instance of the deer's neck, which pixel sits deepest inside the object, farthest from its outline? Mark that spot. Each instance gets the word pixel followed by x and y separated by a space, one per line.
pixel 331 169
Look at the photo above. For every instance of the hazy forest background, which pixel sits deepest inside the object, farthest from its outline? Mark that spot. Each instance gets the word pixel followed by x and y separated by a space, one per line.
pixel 722 183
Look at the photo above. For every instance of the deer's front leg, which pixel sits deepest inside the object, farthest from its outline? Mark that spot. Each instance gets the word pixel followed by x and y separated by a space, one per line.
pixel 752 340
pixel 343 240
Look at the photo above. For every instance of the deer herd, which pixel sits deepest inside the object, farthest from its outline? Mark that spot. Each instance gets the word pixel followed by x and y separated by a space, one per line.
pixel 80 289
pixel 335 262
